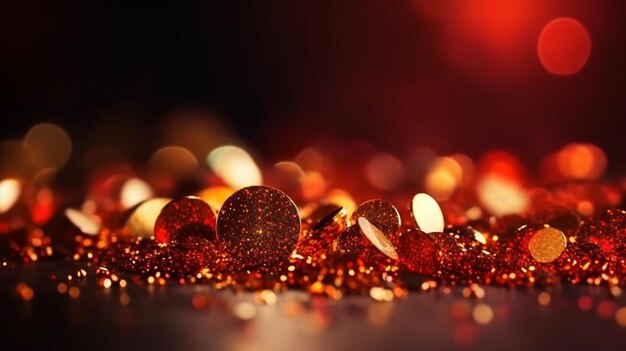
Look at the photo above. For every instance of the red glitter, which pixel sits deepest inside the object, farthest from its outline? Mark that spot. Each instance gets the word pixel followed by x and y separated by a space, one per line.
pixel 184 217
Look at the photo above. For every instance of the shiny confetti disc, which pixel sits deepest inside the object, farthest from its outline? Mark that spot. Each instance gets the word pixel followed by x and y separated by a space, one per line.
pixel 187 216
pixel 381 214
pixel 427 213
pixel 259 227
pixel 417 251
pixel 377 238
pixel 547 244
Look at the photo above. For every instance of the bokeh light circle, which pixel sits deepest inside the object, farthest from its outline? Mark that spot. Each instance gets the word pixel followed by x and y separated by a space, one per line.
pixel 564 46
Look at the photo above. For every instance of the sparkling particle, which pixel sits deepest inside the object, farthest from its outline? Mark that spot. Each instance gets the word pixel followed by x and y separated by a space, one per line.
pixel 427 213
pixel 259 227
pixel 187 216
pixel 547 244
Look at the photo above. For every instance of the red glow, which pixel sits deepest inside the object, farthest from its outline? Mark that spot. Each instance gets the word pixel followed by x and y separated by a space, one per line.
pixel 564 46
pixel 491 39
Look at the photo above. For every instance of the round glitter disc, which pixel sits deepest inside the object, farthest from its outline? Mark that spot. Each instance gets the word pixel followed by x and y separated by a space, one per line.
pixel 259 227
pixel 547 244
pixel 188 216
pixel 377 238
pixel 381 214
pixel 427 214
pixel 417 251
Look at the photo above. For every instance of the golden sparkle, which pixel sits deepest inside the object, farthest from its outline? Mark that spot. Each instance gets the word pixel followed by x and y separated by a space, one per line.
pixel 547 244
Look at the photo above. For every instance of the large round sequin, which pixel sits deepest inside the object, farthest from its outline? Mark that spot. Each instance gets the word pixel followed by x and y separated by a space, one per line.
pixel 259 227
pixel 547 244
pixel 187 216
pixel 427 213
pixel 381 214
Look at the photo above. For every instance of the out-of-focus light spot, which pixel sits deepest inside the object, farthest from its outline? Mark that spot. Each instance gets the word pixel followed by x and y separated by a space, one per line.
pixel 43 208
pixel 544 298
pixel 47 145
pixel 460 310
pixel 502 164
pixel 25 292
pixel 311 160
pixel 441 184
pixel 379 314
pixel 585 208
pixel 215 196
pixel 385 171
pixel 289 169
pixel 427 213
pixel 483 314
pixel 142 220
pixel 200 301
pixel 10 190
pixel 14 159
pixel 197 130
pixel 564 46
pixel 74 292
pixel 606 309
pixel 620 316
pixel 134 191
pixel 467 167
pixel 234 166
pixel 265 297
pixel 474 213
pixel 174 160
pixel 313 185
pixel 502 197
pixel 489 39
pixel 581 161
pixel 381 294
pixel 87 224
pixel 342 198
pixel 465 333
pixel 124 299
pixel 444 175
pixel 244 310
pixel 585 303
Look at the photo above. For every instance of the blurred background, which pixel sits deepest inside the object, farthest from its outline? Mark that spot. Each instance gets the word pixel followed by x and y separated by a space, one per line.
pixel 277 76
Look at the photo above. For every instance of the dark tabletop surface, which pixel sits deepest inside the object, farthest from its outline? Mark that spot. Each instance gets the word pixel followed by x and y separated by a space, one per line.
pixel 164 318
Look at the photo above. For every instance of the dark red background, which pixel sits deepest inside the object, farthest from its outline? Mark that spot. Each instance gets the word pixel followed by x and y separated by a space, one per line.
pixel 453 75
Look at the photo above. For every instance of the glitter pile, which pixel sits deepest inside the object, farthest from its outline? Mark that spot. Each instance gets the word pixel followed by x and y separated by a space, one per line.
pixel 259 239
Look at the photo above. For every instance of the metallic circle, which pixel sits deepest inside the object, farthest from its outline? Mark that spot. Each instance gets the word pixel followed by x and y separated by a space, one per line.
pixel 189 216
pixel 259 227
pixel 381 214
pixel 547 244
